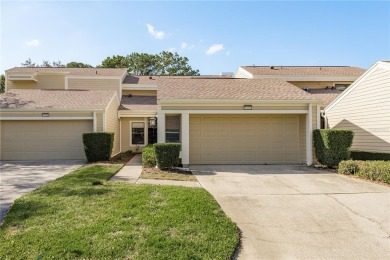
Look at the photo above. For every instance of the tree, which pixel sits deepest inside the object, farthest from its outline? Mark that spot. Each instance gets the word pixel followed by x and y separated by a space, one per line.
pixel 58 64
pixel 75 64
pixel 29 63
pixel 46 64
pixel 2 83
pixel 164 63
pixel 116 61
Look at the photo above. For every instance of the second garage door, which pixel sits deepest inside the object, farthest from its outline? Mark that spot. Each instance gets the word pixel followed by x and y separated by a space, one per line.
pixel 43 140
pixel 249 139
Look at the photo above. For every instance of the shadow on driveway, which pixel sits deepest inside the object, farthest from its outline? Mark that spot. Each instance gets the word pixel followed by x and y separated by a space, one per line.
pixel 20 177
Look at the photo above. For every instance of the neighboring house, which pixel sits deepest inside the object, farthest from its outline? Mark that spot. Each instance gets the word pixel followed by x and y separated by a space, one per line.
pixel 324 82
pixel 364 108
pixel 217 119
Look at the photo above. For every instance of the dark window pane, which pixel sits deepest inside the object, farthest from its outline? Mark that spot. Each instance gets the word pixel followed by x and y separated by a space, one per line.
pixel 137 136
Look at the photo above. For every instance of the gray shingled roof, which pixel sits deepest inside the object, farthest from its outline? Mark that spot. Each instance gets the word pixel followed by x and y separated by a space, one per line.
pixel 72 71
pixel 230 89
pixel 138 103
pixel 305 70
pixel 30 99
pixel 326 95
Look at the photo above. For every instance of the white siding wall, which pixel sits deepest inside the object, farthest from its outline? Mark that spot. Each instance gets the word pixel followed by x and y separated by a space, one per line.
pixel 366 111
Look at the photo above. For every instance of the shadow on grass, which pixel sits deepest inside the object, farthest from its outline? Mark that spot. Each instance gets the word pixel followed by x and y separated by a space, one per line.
pixel 23 209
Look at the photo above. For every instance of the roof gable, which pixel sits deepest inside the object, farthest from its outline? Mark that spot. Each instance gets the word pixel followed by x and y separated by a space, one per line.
pixel 354 85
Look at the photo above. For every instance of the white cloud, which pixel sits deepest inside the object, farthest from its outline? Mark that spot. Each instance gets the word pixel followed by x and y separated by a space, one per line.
pixel 186 46
pixel 156 34
pixel 227 53
pixel 214 48
pixel 172 49
pixel 32 43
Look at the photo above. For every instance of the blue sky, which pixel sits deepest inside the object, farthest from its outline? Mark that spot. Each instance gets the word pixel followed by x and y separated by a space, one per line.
pixel 216 36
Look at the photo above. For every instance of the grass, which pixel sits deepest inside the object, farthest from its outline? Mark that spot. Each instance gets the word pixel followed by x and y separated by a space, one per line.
pixel 83 216
pixel 175 175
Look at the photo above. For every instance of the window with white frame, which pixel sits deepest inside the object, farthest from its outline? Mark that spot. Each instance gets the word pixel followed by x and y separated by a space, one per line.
pixel 138 133
pixel 172 129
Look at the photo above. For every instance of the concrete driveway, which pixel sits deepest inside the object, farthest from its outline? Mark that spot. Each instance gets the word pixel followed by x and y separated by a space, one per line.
pixel 20 177
pixel 296 212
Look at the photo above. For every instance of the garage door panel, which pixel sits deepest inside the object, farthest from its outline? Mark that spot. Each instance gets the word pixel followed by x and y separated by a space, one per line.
pixel 251 139
pixel 40 140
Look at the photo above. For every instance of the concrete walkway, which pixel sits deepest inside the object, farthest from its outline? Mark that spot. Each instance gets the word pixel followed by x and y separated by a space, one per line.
pixel 133 169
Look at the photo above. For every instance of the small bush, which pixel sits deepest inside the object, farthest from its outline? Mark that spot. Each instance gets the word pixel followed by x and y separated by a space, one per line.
pixel 148 157
pixel 332 146
pixel 371 170
pixel 98 146
pixel 369 156
pixel 167 155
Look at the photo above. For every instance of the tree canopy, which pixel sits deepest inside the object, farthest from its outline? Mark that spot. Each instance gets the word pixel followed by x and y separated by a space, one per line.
pixel 55 64
pixel 2 83
pixel 164 63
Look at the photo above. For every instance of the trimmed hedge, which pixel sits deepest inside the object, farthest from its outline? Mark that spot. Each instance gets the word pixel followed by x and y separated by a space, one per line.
pixel 148 156
pixel 332 146
pixel 371 170
pixel 167 154
pixel 98 146
pixel 369 156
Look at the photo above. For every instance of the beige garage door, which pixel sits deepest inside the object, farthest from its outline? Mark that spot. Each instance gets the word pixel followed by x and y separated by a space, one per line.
pixel 251 139
pixel 41 140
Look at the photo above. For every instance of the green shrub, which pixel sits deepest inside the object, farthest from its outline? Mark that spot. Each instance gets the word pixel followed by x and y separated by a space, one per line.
pixel 167 154
pixel 332 146
pixel 369 156
pixel 98 146
pixel 148 156
pixel 371 170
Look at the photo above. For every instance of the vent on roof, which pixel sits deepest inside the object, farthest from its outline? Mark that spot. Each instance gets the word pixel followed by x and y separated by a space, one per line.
pixel 271 67
pixel 306 89
pixel 22 77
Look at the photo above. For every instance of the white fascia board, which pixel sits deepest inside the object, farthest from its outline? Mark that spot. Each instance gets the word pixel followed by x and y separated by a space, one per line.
pixel 47 118
pixel 238 112
pixel 139 87
pixel 93 77
pixel 124 113
pixel 346 92
pixel 53 110
pixel 307 78
pixel 216 102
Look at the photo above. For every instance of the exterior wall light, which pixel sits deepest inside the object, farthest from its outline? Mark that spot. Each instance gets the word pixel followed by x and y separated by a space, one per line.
pixel 45 114
pixel 247 107
pixel 152 121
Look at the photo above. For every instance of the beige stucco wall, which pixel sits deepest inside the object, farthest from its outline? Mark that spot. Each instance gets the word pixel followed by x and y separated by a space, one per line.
pixel 140 92
pixel 93 84
pixel 112 124
pixel 126 132
pixel 366 111
pixel 43 82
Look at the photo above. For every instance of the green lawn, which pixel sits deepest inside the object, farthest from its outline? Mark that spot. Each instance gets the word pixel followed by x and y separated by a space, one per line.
pixel 82 215
pixel 173 175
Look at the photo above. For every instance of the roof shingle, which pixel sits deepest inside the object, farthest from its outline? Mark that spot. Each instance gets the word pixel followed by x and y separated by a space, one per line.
pixel 230 89
pixel 326 95
pixel 153 80
pixel 72 71
pixel 26 99
pixel 138 103
pixel 305 70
